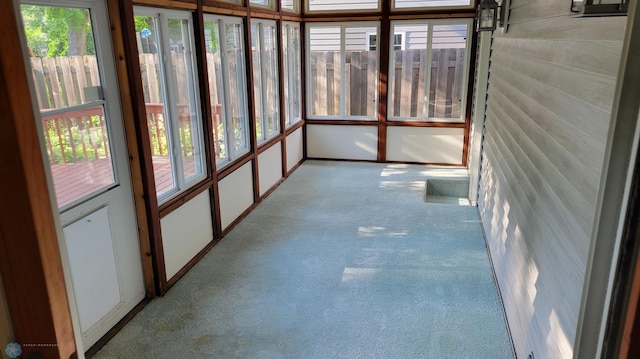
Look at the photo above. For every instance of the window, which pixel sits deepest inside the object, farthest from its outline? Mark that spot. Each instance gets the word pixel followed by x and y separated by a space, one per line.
pixel 599 7
pixel 292 72
pixel 398 41
pixel 428 77
pixel 337 5
pixel 264 50
pixel 290 5
pixel 417 4
pixel 165 47
pixel 342 71
pixel 227 87
pixel 263 3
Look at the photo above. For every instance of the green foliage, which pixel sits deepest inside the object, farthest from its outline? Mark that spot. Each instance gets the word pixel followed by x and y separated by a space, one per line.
pixel 50 31
pixel 84 136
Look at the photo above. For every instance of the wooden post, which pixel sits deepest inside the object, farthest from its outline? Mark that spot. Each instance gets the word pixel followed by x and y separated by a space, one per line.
pixel 30 261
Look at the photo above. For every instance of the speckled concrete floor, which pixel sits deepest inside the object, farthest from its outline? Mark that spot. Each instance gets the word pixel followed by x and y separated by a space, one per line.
pixel 343 260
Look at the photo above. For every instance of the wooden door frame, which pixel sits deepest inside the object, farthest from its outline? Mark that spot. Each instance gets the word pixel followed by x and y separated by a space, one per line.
pixel 30 262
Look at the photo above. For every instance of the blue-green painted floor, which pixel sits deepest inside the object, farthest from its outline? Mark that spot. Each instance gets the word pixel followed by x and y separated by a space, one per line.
pixel 343 260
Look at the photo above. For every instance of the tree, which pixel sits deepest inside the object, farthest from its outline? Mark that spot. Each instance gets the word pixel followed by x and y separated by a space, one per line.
pixel 57 31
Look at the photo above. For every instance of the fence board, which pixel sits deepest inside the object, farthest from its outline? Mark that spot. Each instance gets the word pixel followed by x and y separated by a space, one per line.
pixel 67 88
pixel 441 83
pixel 456 95
pixel 406 87
pixel 372 81
pixel 39 81
pixel 52 81
pixel 80 75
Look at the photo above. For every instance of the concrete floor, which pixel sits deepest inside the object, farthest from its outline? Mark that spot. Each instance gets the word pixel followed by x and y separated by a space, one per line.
pixel 343 260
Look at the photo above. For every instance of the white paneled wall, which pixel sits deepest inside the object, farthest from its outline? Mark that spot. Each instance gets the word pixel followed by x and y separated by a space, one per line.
pixel 342 142
pixel 295 148
pixel 551 86
pixel 236 194
pixel 270 167
pixel 425 144
pixel 185 232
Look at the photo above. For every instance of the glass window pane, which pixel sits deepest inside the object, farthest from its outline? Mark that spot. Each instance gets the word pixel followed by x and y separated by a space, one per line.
pixel 184 89
pixel 63 56
pixel 405 4
pixel 237 86
pixel 290 5
pixel 257 78
pixel 447 72
pixel 409 72
pixel 265 3
pixel 324 59
pixel 153 86
pixel 353 5
pixel 361 65
pixel 270 71
pixel 292 73
pixel 216 88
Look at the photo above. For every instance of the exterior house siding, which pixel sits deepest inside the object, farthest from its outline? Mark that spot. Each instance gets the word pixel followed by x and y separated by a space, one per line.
pixel 551 86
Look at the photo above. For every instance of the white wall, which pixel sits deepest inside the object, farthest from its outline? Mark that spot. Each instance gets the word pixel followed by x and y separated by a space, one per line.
pixel 236 194
pixel 342 142
pixel 295 147
pixel 185 232
pixel 551 87
pixel 425 144
pixel 270 167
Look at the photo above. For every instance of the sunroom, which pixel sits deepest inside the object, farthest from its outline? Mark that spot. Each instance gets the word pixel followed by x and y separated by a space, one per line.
pixel 145 132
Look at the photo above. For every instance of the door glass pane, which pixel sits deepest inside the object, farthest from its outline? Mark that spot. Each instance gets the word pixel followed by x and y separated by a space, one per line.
pixel 216 87
pixel 152 84
pixel 66 75
pixel 63 57
pixel 447 73
pixel 324 59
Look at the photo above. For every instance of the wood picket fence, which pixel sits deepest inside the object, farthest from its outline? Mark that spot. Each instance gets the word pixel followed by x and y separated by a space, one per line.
pixel 410 73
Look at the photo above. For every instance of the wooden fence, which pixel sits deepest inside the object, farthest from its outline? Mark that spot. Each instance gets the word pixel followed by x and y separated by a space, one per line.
pixel 408 87
pixel 81 135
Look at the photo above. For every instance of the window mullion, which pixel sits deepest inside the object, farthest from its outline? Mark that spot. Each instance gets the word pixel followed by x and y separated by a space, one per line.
pixel 427 81
pixel 343 71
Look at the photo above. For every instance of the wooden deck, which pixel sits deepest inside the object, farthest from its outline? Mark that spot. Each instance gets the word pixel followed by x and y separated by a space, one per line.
pixel 73 181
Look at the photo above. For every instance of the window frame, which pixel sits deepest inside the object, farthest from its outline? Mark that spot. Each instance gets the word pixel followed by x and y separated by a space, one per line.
pixel 181 183
pixel 402 40
pixel 308 83
pixel 232 154
pixel 289 105
pixel 271 4
pixel 465 71
pixel 266 134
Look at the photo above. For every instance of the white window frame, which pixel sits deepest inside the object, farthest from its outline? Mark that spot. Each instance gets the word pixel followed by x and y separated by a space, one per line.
pixel 173 136
pixel 266 135
pixel 290 105
pixel 229 134
pixel 427 82
pixel 343 69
